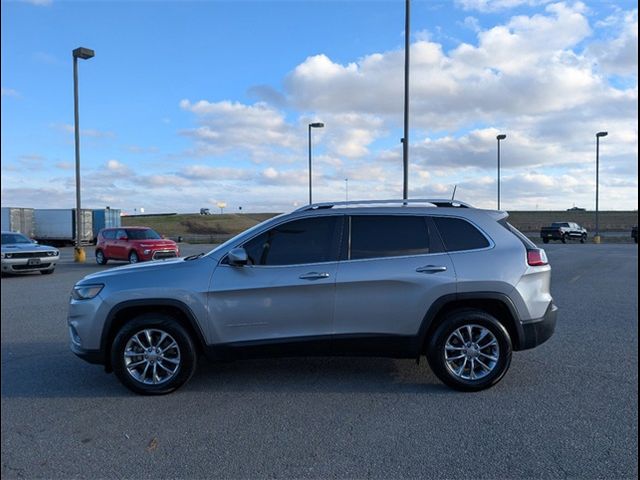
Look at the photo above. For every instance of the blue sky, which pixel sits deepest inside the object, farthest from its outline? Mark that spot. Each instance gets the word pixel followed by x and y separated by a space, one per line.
pixel 190 103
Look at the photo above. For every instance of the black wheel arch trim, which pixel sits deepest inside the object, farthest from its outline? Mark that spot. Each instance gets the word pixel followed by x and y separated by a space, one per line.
pixel 445 300
pixel 107 334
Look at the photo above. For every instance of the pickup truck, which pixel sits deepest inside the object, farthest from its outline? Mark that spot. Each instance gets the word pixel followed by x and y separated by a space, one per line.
pixel 563 231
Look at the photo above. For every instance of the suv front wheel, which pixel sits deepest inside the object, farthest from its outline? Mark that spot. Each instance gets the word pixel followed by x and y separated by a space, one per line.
pixel 153 354
pixel 470 350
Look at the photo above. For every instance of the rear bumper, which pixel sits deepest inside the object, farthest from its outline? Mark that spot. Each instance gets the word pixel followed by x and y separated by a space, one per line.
pixel 538 331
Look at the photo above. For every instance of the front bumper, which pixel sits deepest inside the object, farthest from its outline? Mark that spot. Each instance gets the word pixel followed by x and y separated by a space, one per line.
pixel 25 265
pixel 92 356
pixel 538 331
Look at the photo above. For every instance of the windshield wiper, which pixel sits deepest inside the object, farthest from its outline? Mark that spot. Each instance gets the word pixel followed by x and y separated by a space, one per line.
pixel 194 257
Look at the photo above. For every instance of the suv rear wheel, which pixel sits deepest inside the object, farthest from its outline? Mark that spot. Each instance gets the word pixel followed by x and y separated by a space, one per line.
pixel 470 350
pixel 153 354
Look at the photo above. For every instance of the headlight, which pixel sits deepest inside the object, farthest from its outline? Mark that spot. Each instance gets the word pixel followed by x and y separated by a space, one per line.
pixel 52 253
pixel 85 292
pixel 7 255
pixel 147 251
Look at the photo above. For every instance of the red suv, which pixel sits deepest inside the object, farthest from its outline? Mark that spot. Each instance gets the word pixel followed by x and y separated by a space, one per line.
pixel 135 244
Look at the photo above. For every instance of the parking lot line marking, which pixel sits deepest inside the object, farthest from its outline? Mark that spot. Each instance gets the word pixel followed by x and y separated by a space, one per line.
pixel 573 280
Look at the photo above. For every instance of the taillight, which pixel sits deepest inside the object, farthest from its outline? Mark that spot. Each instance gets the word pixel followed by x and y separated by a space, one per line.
pixel 536 257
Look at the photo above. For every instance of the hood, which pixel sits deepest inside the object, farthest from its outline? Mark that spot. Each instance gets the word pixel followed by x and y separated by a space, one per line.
pixel 26 247
pixel 142 267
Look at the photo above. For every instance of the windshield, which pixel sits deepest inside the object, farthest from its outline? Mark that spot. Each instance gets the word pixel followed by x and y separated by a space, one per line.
pixel 143 234
pixel 14 238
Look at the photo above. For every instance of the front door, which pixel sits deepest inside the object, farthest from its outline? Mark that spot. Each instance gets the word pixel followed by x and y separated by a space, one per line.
pixel 286 292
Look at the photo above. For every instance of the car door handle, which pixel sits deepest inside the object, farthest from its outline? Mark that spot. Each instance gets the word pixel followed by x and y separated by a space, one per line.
pixel 431 269
pixel 313 276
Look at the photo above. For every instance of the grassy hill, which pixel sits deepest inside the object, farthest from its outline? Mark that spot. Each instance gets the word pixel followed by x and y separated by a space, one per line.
pixel 194 227
pixel 215 228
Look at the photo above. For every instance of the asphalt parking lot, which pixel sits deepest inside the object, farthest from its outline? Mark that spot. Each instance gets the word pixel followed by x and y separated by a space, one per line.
pixel 566 409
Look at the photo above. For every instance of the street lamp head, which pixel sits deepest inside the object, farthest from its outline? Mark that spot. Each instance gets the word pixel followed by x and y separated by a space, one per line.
pixel 502 136
pixel 316 125
pixel 83 53
pixel 602 134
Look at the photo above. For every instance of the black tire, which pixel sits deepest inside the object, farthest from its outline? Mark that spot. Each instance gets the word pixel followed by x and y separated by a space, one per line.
pixel 46 272
pixel 545 240
pixel 564 238
pixel 479 319
pixel 583 239
pixel 133 257
pixel 101 258
pixel 158 323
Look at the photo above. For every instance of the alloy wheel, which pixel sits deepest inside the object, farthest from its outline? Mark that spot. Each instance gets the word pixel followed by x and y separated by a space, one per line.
pixel 152 356
pixel 471 352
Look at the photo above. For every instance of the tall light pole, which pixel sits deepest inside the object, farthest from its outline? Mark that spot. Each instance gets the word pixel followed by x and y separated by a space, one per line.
pixel 596 239
pixel 85 54
pixel 312 125
pixel 405 138
pixel 346 186
pixel 502 136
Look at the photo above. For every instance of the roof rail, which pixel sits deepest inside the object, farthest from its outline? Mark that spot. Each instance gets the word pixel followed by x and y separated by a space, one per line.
pixel 436 202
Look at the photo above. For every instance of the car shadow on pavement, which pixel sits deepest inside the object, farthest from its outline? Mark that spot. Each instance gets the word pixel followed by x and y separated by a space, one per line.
pixel 318 374
pixel 50 370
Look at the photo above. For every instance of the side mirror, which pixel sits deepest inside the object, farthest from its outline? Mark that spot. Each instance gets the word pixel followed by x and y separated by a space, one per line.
pixel 238 257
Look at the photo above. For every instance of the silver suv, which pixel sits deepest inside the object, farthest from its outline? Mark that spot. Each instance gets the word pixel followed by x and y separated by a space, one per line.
pixel 395 279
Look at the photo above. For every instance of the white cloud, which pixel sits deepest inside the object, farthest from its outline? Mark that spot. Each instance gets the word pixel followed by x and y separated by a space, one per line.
pixel 90 132
pixel 496 5
pixel 9 92
pixel 117 168
pixel 618 55
pixel 39 3
pixel 226 125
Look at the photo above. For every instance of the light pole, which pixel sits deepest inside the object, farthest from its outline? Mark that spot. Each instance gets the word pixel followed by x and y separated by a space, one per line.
pixel 596 239
pixel 346 186
pixel 312 125
pixel 85 54
pixel 405 138
pixel 502 136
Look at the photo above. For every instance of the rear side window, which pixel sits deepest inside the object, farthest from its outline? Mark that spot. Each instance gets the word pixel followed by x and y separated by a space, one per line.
pixel 109 234
pixel 310 240
pixel 375 236
pixel 458 234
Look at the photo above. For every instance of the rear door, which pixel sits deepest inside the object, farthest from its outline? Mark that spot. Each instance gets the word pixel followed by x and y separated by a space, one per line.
pixel 287 291
pixel 394 269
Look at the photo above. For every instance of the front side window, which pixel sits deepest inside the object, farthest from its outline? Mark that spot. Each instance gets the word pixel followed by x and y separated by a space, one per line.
pixel 109 234
pixel 378 236
pixel 458 234
pixel 309 240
